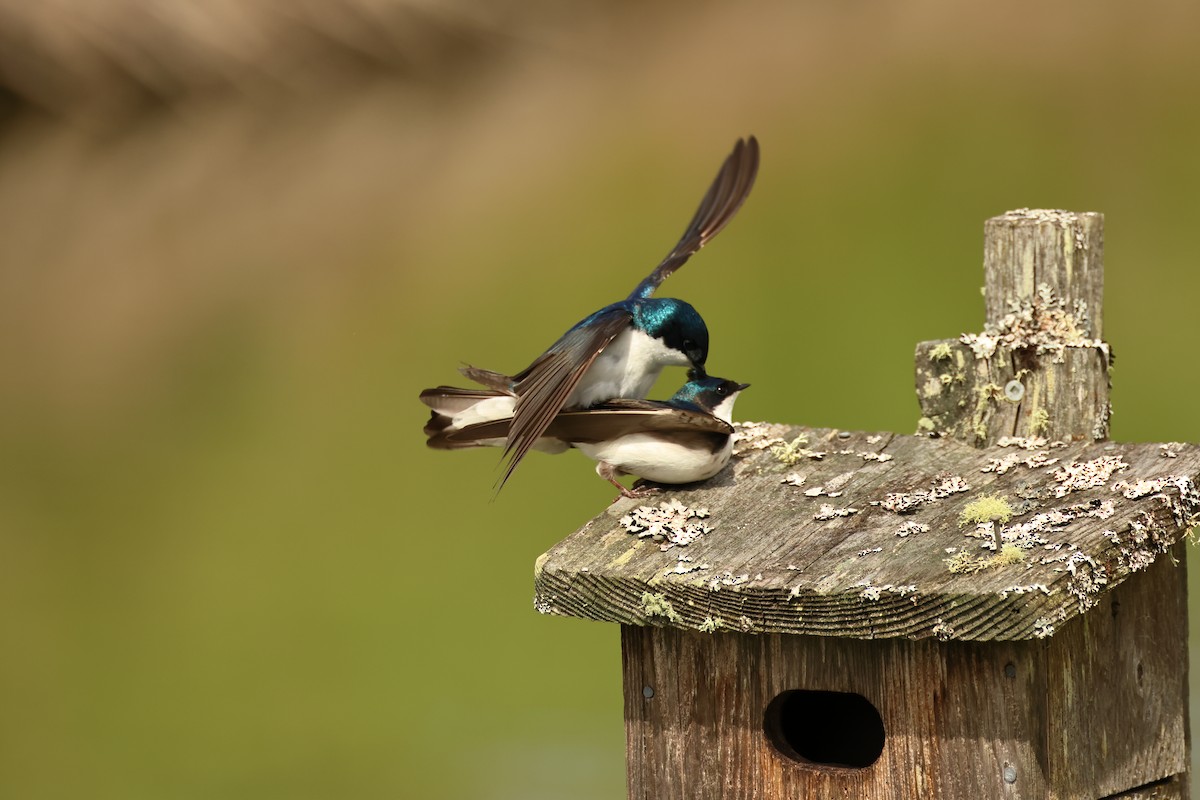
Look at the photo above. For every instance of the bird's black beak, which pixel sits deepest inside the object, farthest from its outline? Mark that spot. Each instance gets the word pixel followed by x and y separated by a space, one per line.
pixel 743 387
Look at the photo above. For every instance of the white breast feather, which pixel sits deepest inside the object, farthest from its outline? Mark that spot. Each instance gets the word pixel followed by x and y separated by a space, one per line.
pixel 661 460
pixel 628 368
pixel 655 459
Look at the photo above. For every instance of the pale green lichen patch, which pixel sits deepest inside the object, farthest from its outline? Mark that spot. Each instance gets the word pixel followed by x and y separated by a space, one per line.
pixel 989 508
pixel 941 352
pixel 984 395
pixel 1009 554
pixel 657 605
pixel 791 453
pixel 964 563
pixel 711 624
pixel 1039 421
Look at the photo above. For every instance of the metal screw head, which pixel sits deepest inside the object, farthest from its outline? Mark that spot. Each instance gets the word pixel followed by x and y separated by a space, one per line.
pixel 1010 670
pixel 1014 390
pixel 843 434
pixel 647 692
pixel 1010 773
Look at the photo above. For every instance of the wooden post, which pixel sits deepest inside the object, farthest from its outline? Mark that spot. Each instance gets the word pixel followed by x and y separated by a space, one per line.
pixel 1040 367
pixel 999 611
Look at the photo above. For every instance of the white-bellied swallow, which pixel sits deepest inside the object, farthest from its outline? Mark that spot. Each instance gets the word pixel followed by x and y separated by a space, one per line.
pixel 683 440
pixel 619 351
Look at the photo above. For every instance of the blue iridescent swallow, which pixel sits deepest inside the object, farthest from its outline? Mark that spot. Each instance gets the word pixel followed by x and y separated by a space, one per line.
pixel 616 352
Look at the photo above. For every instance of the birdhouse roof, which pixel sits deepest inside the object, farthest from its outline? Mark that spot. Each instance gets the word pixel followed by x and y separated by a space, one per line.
pixel 853 534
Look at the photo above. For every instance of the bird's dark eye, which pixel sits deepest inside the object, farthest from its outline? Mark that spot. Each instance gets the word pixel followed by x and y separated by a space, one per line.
pixel 722 390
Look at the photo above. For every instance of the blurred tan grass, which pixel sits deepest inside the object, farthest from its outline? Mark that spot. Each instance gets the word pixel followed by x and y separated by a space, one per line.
pixel 239 237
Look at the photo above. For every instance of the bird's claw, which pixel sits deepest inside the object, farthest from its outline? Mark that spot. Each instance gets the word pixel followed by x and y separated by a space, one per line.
pixel 641 489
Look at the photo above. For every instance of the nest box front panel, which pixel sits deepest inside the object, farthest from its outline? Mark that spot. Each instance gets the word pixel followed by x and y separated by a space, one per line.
pixel 744 716
pixel 1096 711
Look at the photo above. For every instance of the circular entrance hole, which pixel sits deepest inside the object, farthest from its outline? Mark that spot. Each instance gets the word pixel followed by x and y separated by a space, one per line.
pixel 834 729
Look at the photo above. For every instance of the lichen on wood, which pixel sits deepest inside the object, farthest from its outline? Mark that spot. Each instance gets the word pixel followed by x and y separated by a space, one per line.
pixel 777 569
pixel 843 533
pixel 1041 338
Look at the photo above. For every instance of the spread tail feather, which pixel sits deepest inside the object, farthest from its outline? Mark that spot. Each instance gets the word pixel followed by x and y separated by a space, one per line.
pixel 439 432
pixel 451 400
pixel 454 408
pixel 495 381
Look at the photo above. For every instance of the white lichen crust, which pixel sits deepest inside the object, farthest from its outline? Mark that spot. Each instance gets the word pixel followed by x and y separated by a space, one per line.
pixel 671 523
pixel 837 546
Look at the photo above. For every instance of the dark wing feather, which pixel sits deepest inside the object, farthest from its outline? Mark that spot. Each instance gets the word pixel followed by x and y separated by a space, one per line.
pixel 603 422
pixel 453 440
pixel 546 384
pixel 725 196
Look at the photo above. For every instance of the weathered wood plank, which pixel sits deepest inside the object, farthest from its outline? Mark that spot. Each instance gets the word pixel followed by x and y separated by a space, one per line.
pixel 1173 788
pixel 955 721
pixel 1040 367
pixel 1117 708
pixel 1097 711
pixel 1061 250
pixel 1062 395
pixel 769 566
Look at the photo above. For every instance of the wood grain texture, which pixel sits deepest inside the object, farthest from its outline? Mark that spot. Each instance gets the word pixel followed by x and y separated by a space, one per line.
pixel 1117 695
pixel 1013 608
pixel 1173 788
pixel 1069 718
pixel 1063 250
pixel 953 719
pixel 768 566
pixel 1064 394
pixel 1040 367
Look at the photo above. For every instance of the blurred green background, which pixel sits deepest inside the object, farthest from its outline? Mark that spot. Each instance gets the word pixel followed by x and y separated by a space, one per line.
pixel 238 239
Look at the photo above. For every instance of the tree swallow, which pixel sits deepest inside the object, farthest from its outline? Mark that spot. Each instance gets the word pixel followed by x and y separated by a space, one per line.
pixel 683 440
pixel 618 351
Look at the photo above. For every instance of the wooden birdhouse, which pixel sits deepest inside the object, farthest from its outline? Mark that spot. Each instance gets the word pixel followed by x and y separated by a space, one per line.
pixel 992 608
